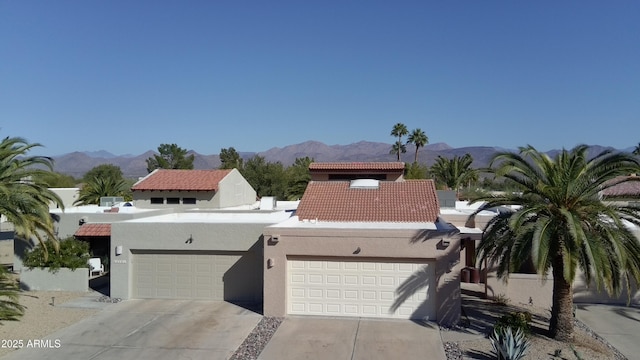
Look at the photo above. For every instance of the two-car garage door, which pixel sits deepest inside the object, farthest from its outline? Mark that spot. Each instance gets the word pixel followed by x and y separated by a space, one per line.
pixel 181 275
pixel 350 287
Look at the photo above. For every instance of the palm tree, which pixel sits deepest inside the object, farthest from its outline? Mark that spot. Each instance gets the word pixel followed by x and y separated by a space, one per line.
pixel 636 151
pixel 419 139
pixel 454 172
pixel 399 130
pixel 562 224
pixel 24 195
pixel 398 148
pixel 10 307
pixel 96 188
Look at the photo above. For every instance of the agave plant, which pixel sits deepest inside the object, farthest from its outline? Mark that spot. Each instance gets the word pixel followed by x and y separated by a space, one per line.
pixel 509 345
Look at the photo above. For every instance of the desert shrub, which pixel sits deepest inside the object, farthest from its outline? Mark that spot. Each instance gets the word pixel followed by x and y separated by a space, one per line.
pixel 72 254
pixel 501 299
pixel 515 320
pixel 509 344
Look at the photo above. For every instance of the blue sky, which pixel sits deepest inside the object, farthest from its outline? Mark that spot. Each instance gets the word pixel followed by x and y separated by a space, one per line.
pixel 126 76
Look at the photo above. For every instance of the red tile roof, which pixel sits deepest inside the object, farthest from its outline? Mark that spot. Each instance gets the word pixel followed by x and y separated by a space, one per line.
pixel 181 180
pixel 93 230
pixel 359 166
pixel 629 188
pixel 407 201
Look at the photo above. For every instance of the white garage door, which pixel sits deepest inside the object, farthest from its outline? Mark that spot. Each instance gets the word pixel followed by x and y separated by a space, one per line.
pixel 180 276
pixel 361 289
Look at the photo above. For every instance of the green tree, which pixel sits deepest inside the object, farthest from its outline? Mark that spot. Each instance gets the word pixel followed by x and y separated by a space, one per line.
pixel 10 307
pixel 267 179
pixel 298 177
pixel 397 149
pixel 170 156
pixel 399 130
pixel 455 172
pixel 96 188
pixel 636 150
pixel 103 171
pixel 562 224
pixel 24 196
pixel 419 139
pixel 415 171
pixel 230 159
pixel 73 254
pixel 57 180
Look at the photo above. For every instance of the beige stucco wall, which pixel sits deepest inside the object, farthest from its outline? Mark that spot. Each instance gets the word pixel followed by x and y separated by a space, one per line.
pixel 67 195
pixel 521 289
pixel 589 294
pixel 6 248
pixel 529 289
pixel 479 221
pixel 233 238
pixel 374 245
pixel 234 190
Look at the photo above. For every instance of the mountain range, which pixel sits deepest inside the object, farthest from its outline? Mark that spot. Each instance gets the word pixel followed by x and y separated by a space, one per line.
pixel 78 163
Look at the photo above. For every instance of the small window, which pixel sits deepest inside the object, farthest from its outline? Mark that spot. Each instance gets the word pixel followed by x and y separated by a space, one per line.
pixel 157 200
pixel 173 200
pixel 189 201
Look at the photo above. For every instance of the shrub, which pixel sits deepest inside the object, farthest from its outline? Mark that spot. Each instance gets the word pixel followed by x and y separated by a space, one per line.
pixel 509 345
pixel 518 320
pixel 72 254
pixel 501 299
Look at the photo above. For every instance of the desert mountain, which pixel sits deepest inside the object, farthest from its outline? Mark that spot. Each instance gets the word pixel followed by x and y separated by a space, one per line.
pixel 77 164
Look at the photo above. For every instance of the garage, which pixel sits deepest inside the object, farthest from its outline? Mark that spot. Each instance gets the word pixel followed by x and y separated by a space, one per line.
pixel 182 275
pixel 357 288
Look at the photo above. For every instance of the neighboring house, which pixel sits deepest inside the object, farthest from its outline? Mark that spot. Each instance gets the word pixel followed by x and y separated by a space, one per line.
pixel 202 189
pixel 365 248
pixel 208 246
pixel 329 171
pixel 205 245
pixel 625 193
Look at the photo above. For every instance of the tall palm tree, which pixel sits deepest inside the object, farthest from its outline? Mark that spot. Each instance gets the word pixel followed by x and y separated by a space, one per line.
pixel 24 195
pixel 454 172
pixel 399 130
pixel 419 139
pixel 398 148
pixel 562 224
pixel 96 188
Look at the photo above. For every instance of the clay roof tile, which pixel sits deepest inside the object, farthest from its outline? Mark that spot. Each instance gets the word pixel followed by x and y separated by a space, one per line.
pixel 407 201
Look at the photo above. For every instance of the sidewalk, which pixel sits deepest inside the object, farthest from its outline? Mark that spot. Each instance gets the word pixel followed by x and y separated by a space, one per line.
pixel 619 325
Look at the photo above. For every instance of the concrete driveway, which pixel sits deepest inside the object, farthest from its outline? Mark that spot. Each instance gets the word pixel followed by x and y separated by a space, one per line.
pixel 151 329
pixel 619 325
pixel 352 338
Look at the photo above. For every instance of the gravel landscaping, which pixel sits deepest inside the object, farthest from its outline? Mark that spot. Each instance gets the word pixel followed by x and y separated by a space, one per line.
pixel 42 316
pixel 253 345
pixel 586 343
